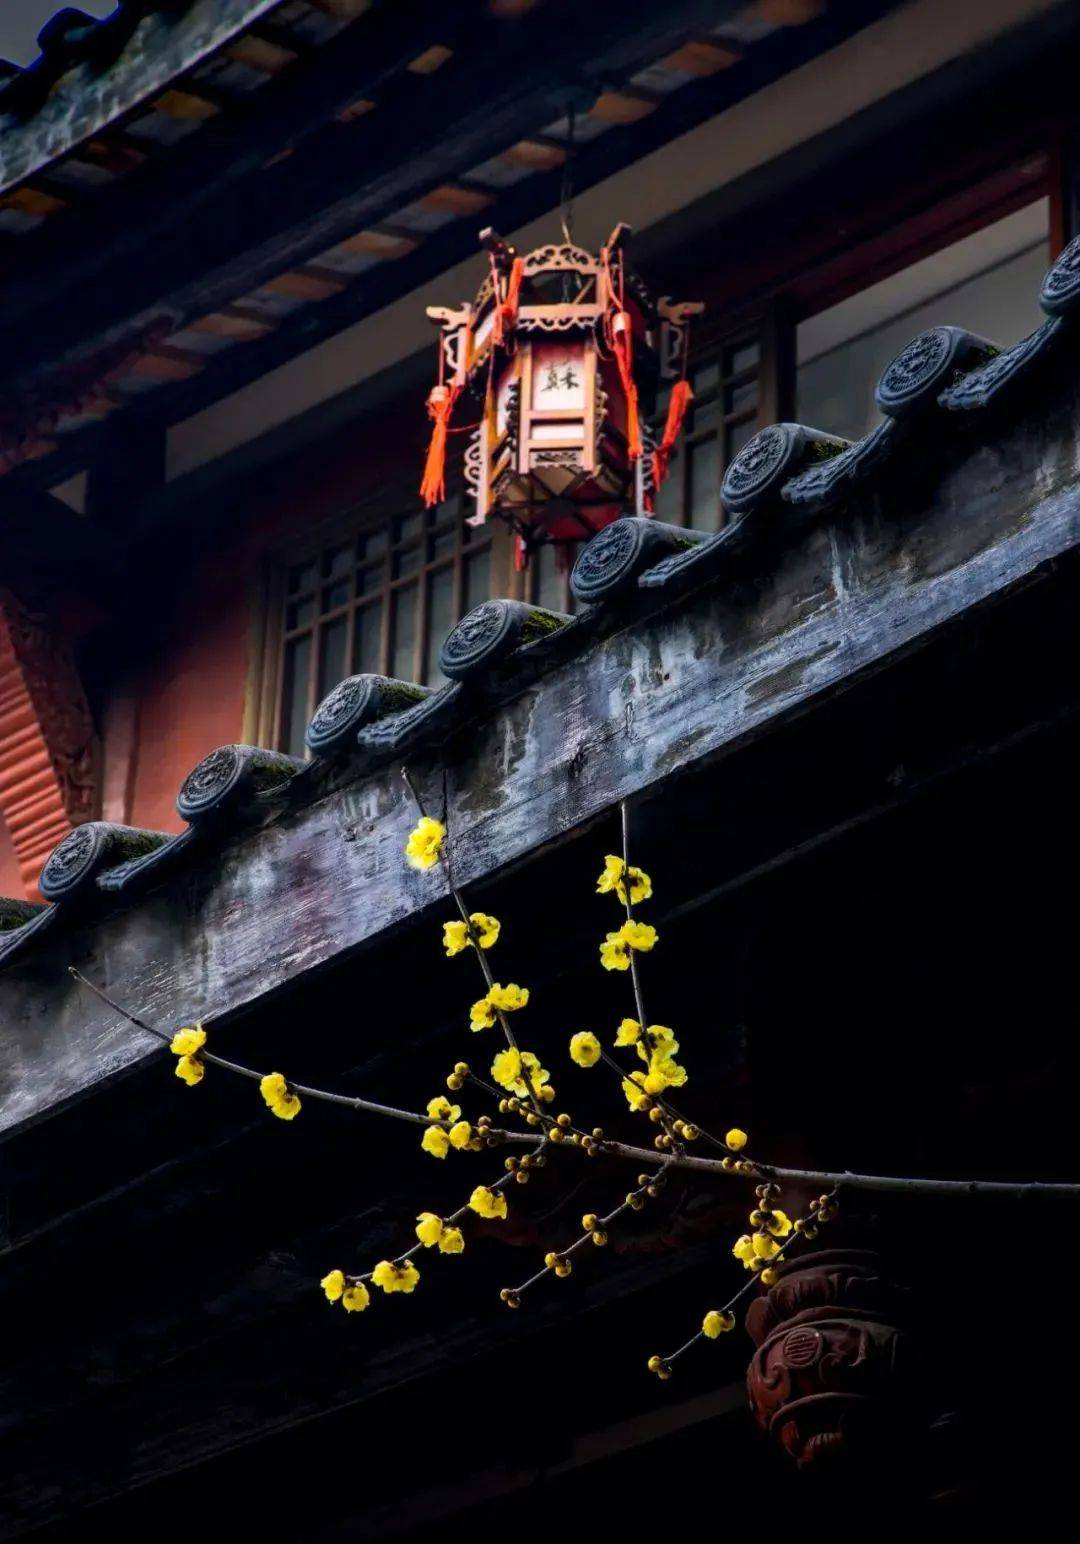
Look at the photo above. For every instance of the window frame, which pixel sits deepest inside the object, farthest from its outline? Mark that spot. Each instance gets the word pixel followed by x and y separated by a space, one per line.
pixel 266 711
pixel 769 326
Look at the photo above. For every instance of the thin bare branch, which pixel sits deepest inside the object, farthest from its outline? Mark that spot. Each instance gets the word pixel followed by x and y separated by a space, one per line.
pixel 823 1178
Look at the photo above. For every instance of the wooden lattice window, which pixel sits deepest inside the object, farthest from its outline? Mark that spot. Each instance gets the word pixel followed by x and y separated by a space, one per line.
pixel 740 381
pixel 379 600
pixel 548 579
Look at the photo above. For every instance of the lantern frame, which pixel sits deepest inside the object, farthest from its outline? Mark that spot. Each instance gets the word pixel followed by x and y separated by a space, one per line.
pixel 559 472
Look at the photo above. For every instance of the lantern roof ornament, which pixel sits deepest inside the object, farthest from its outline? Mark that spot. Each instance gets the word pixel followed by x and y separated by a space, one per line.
pixel 555 355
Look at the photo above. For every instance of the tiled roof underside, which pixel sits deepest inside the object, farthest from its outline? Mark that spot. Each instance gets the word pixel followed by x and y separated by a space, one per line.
pixel 176 343
pixel 945 392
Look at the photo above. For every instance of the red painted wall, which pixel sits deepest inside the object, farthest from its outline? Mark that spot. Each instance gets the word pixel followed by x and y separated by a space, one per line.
pixel 10 882
pixel 178 676
pixel 189 695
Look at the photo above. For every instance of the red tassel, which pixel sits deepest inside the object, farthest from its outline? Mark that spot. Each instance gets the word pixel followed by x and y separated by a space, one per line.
pixel 506 311
pixel 440 405
pixel 622 344
pixel 681 398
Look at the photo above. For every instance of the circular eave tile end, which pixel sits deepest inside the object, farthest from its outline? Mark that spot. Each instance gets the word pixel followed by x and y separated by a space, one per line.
pixel 481 639
pixel 1060 293
pixel 208 784
pixel 761 467
pixel 608 563
pixel 73 861
pixel 914 377
pixel 340 714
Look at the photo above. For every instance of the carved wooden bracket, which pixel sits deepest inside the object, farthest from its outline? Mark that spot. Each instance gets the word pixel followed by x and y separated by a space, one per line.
pixel 832 1368
pixel 48 752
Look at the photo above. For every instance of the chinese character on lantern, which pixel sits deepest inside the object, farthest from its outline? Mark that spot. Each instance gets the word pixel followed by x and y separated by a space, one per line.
pixel 553 358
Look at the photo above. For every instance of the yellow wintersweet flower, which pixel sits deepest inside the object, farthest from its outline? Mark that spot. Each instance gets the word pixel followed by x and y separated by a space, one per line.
pixel 735 1139
pixel 506 1069
pixel 451 1241
pixel 533 1080
pixel 488 1203
pixel 613 878
pixel 664 1071
pixel 279 1096
pixel 333 1285
pixel 628 1032
pixel 636 1097
pixel 460 1135
pixel 355 1298
pixel 482 1014
pixel 435 1141
pixel 425 843
pixel 508 999
pixel 639 935
pixel 640 885
pixel 486 928
pixel 429 1229
pixel 765 1246
pixel 520 1072
pixel 716 1322
pixel 273 1087
pixel 534 1077
pixel 395 1277
pixel 187 1041
pixel 614 952
pixel 455 937
pixel 780 1224
pixel 743 1249
pixel 585 1049
pixel 190 1070
pixel 610 876
pixel 440 1108
pixel 480 929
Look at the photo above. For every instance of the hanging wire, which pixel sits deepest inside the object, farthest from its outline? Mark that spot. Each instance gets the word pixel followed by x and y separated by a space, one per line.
pixel 567 194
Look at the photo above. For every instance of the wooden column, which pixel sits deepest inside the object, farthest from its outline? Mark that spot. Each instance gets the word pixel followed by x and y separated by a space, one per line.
pixel 48 760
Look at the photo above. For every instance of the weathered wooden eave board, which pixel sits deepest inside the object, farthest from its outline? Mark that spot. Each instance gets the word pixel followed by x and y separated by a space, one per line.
pixel 87 100
pixel 657 698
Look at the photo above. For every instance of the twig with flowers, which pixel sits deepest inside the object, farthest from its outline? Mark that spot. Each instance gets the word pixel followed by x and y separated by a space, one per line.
pixel 522 1092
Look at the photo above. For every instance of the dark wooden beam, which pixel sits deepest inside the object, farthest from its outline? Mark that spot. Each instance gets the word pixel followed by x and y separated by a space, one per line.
pixel 248 215
pixel 87 100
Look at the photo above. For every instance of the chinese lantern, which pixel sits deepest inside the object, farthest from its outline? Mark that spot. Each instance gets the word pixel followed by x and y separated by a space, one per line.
pixel 553 358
